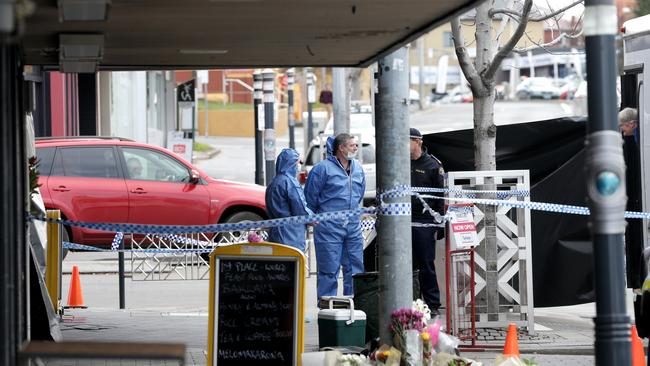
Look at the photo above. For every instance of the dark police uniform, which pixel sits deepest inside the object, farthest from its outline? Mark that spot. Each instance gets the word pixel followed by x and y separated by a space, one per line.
pixel 426 171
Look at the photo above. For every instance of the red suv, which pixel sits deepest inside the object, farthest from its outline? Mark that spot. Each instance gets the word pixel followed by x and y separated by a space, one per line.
pixel 96 179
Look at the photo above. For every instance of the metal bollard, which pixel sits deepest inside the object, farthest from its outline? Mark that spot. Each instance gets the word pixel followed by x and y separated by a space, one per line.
pixel 53 259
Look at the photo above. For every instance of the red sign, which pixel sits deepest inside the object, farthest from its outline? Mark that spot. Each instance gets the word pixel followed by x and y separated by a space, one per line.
pixel 463 227
pixel 179 148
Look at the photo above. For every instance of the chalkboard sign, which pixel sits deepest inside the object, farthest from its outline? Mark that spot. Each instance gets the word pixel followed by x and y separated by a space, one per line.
pixel 257 310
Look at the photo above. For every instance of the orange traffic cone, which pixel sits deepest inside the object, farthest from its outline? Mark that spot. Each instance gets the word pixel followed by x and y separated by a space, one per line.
pixel 638 357
pixel 75 298
pixel 511 348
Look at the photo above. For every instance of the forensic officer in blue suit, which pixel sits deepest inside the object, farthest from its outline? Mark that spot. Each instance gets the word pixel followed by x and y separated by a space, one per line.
pixel 284 198
pixel 335 184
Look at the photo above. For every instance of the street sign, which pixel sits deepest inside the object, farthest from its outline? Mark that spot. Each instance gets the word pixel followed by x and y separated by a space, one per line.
pixel 185 92
pixel 462 226
pixel 256 305
pixel 203 76
pixel 180 145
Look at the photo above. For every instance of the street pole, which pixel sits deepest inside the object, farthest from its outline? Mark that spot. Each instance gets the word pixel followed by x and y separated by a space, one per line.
pixel 292 123
pixel 311 99
pixel 268 77
pixel 207 118
pixel 606 185
pixel 341 100
pixel 393 170
pixel 13 317
pixel 420 43
pixel 259 126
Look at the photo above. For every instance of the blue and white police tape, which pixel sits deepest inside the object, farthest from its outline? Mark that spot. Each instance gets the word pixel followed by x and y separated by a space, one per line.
pixel 117 241
pixel 404 190
pixel 194 229
pixel 68 245
pixel 541 206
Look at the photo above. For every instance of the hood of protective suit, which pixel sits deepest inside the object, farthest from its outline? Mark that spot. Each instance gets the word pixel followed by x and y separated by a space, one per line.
pixel 330 146
pixel 286 163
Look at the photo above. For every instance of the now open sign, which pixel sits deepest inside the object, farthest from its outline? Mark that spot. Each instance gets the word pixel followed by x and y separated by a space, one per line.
pixel 462 226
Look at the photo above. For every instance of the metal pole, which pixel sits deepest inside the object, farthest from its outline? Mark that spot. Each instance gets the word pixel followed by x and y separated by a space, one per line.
pixel 420 44
pixel 12 195
pixel 292 124
pixel 268 77
pixel 311 99
pixel 341 102
pixel 206 120
pixel 606 185
pixel 393 169
pixel 120 269
pixel 259 126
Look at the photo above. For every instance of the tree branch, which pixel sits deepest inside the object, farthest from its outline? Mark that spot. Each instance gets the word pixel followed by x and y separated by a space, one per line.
pixel 520 15
pixel 505 50
pixel 544 45
pixel 463 57
pixel 556 12
pixel 512 13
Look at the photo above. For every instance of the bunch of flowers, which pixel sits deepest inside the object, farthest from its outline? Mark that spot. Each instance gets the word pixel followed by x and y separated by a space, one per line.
pixel 422 307
pixel 405 319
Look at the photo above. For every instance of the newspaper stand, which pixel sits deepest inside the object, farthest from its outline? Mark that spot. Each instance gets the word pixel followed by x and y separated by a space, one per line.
pixel 460 302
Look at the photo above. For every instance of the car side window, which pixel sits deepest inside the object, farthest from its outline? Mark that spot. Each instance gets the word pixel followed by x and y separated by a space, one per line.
pixel 44 158
pixel 145 164
pixel 88 162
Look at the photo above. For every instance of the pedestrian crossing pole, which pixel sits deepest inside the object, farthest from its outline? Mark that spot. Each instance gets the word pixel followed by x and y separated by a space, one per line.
pixel 606 185
pixel 259 126
pixel 268 87
pixel 311 99
pixel 291 73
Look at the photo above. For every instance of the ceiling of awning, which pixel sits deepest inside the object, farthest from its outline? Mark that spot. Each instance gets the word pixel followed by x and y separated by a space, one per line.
pixel 151 34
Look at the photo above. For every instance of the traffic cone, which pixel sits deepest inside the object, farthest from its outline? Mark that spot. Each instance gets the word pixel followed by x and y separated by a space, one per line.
pixel 75 298
pixel 638 357
pixel 511 348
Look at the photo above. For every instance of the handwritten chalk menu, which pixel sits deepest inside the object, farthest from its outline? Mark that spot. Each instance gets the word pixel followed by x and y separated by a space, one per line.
pixel 256 305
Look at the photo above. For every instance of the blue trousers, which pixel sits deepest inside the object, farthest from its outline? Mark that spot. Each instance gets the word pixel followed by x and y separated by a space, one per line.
pixel 337 247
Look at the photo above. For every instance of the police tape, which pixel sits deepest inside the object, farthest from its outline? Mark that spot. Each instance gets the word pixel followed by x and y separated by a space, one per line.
pixel 81 247
pixel 387 209
pixel 404 190
pixel 195 229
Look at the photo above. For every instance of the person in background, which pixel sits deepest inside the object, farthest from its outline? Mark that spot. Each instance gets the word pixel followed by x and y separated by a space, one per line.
pixel 284 198
pixel 335 184
pixel 135 168
pixel 326 98
pixel 426 171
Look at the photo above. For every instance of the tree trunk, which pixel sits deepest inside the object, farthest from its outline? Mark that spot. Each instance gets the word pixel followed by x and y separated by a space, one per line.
pixel 485 132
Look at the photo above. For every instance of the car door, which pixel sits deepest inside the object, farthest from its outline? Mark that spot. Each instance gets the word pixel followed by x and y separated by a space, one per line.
pixel 160 191
pixel 86 184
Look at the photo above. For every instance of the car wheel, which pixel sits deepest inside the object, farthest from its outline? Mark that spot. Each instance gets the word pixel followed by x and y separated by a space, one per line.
pixel 233 237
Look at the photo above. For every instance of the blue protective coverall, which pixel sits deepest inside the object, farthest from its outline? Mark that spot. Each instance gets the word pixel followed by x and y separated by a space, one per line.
pixel 337 242
pixel 284 198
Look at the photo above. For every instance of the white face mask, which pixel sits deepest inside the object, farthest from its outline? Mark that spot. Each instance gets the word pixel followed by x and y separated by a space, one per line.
pixel 350 155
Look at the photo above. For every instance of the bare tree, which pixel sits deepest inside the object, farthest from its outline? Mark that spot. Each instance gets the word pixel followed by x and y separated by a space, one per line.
pixel 481 73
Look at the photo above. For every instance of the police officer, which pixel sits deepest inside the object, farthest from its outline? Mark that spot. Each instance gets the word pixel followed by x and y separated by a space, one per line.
pixel 426 171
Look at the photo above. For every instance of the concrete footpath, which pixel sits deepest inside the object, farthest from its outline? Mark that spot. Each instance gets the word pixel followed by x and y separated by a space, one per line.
pixel 177 311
